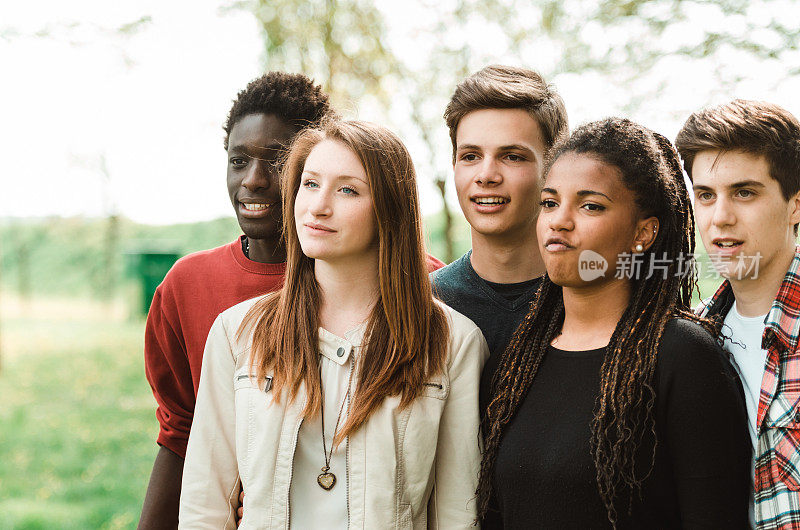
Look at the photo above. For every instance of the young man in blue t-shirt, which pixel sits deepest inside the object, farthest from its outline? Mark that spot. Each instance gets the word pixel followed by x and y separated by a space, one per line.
pixel 502 122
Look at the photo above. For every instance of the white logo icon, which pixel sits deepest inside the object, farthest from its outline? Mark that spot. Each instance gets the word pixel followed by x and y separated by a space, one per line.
pixel 591 265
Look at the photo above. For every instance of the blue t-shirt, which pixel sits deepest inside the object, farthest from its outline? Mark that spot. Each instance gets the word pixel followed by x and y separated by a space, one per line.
pixel 497 309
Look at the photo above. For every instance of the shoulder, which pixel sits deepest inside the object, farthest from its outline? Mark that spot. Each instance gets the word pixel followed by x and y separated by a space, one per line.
pixel 452 270
pixel 465 335
pixel 688 350
pixel 229 324
pixel 235 315
pixel 195 265
pixel 450 278
pixel 681 331
pixel 433 263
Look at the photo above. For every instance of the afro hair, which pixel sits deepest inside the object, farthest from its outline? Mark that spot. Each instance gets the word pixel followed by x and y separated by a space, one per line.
pixel 292 97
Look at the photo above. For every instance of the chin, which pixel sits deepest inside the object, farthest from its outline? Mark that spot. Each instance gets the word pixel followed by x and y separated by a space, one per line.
pixel 560 274
pixel 490 228
pixel 313 252
pixel 270 231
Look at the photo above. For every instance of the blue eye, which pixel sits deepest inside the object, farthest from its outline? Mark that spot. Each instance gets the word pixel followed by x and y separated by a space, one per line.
pixel 310 184
pixel 349 191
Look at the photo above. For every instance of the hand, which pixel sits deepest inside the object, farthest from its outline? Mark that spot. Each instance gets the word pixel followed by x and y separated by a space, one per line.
pixel 240 509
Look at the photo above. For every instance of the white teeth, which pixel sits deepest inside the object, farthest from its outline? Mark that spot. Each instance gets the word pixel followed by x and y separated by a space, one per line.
pixel 727 244
pixel 490 200
pixel 254 207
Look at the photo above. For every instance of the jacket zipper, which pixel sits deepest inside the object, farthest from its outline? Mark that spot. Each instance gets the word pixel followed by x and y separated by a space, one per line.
pixel 347 448
pixel 291 472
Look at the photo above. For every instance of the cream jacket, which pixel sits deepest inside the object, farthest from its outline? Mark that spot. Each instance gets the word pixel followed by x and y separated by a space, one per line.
pixel 407 468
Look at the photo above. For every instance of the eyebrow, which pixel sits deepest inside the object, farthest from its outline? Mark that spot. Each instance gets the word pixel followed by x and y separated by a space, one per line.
pixel 510 147
pixel 338 177
pixel 249 148
pixel 515 147
pixel 468 146
pixel 581 193
pixel 584 193
pixel 734 186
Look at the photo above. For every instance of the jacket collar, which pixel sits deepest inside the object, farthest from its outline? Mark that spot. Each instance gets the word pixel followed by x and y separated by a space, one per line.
pixel 338 349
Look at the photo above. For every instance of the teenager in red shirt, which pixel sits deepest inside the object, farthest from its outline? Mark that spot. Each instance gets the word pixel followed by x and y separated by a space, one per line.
pixel 262 121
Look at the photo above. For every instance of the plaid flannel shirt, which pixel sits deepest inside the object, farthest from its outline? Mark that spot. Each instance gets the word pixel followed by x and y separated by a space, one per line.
pixel 777 465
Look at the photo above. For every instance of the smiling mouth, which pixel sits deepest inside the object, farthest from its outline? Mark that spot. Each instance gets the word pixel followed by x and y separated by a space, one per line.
pixel 255 207
pixel 489 200
pixel 727 244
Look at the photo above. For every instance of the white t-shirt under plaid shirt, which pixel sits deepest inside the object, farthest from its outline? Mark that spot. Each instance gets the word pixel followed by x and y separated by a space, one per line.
pixel 742 338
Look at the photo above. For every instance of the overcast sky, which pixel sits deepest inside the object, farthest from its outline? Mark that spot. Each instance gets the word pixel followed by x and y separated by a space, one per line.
pixel 152 104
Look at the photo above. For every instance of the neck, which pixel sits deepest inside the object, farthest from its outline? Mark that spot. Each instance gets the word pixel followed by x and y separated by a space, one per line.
pixel 754 296
pixel 586 327
pixel 266 251
pixel 349 290
pixel 506 259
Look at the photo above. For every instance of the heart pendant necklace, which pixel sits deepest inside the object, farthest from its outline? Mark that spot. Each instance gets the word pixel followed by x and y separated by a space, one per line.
pixel 326 479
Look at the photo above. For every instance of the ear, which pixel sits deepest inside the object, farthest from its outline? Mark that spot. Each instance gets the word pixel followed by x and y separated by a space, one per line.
pixel 794 209
pixel 646 232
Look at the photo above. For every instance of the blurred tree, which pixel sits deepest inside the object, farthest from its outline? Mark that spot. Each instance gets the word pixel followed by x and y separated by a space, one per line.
pixel 339 43
pixel 346 45
pixel 641 45
pixel 342 44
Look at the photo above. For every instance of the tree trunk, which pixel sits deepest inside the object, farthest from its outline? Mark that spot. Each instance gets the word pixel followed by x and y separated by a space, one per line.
pixel 448 222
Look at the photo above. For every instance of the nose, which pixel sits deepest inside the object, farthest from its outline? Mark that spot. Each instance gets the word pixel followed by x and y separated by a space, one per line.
pixel 258 175
pixel 320 204
pixel 488 173
pixel 722 213
pixel 559 220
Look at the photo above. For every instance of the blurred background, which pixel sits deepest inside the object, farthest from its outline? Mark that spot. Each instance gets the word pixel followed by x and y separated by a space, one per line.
pixel 112 166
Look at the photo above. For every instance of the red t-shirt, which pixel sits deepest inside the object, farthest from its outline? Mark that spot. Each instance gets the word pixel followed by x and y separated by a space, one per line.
pixel 195 291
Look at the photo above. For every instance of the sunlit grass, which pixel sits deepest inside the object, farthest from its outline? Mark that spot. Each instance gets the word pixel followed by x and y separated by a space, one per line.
pixel 76 422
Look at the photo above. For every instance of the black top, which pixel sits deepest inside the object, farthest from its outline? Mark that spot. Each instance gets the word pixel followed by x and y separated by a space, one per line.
pixel 545 475
pixel 496 308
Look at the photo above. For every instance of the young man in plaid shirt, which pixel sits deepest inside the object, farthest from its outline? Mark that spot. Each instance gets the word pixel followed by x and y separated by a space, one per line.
pixel 744 162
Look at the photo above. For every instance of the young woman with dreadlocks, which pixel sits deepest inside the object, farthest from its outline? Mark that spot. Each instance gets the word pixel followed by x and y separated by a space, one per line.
pixel 613 406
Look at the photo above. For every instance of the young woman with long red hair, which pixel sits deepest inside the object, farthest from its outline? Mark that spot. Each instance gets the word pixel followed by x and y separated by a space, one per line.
pixel 350 397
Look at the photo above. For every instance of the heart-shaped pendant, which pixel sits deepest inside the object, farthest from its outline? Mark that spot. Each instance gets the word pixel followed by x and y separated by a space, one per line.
pixel 326 480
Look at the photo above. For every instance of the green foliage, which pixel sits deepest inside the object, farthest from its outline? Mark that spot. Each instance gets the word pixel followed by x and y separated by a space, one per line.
pixel 66 256
pixel 77 425
pixel 340 43
pixel 436 241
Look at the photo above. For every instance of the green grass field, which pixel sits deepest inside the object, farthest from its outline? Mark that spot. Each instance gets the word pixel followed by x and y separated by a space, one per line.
pixel 77 422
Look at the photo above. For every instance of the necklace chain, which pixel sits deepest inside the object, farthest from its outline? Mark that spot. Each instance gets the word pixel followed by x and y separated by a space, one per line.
pixel 329 454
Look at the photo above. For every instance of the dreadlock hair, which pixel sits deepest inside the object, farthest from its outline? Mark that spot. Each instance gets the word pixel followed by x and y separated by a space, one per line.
pixel 293 98
pixel 623 415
